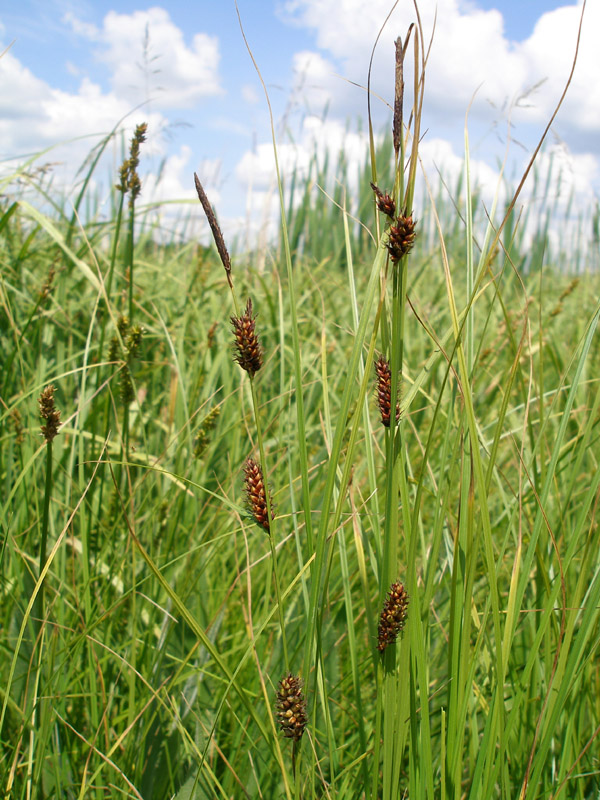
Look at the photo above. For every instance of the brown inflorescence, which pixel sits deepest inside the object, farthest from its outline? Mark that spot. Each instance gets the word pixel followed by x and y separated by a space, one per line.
pixel 384 391
pixel 385 203
pixel 291 707
pixel 249 353
pixel 49 413
pixel 401 237
pixel 393 616
pixel 256 494
pixel 129 179
pixel 215 228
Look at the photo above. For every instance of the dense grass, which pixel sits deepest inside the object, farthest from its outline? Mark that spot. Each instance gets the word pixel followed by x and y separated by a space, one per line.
pixel 168 616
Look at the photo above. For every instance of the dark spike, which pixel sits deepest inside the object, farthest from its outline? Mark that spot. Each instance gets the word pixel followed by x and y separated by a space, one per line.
pixel 393 616
pixel 291 707
pixel 249 352
pixel 256 494
pixel 216 230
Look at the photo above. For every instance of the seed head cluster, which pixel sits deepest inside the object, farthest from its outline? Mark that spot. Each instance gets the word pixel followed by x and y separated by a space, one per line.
pixel 401 237
pixel 384 391
pixel 291 707
pixel 385 203
pixel 256 493
pixel 393 616
pixel 129 180
pixel 248 349
pixel 49 413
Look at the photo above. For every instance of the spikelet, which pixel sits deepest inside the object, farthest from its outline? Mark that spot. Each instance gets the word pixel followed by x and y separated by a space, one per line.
pixel 393 616
pixel 216 230
pixel 134 340
pixel 49 413
pixel 401 237
pixel 291 707
pixel 256 494
pixel 129 180
pixel 384 391
pixel 249 352
pixel 385 203
pixel 202 439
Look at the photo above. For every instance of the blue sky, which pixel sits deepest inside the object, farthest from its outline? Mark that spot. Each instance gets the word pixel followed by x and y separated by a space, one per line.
pixel 74 69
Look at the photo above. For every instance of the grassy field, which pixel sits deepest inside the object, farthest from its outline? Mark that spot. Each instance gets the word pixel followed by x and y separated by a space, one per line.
pixel 147 620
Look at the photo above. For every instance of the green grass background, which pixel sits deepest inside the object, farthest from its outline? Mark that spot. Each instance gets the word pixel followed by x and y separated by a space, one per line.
pixel 153 672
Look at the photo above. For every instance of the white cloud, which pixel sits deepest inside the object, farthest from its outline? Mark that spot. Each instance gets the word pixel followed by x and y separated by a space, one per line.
pixel 548 53
pixel 34 115
pixel 150 60
pixel 178 209
pixel 249 94
pixel 438 159
pixel 256 168
pixel 561 175
pixel 314 78
pixel 470 53
pixel 317 139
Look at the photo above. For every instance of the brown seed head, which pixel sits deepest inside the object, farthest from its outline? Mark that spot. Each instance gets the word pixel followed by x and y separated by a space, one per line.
pixel 256 494
pixel 393 616
pixel 249 353
pixel 49 413
pixel 215 228
pixel 121 186
pixel 384 391
pixel 385 203
pixel 129 179
pixel 401 237
pixel 291 707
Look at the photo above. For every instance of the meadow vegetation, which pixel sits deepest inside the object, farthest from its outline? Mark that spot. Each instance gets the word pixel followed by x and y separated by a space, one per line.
pixel 205 538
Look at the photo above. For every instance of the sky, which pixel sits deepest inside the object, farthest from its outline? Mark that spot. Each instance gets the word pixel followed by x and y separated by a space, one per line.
pixel 75 70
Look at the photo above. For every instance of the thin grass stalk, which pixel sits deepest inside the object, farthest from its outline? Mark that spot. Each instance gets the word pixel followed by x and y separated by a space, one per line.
pixel 86 522
pixel 396 482
pixel 313 630
pixel 339 493
pixel 373 494
pixel 460 618
pixel 7 368
pixel 312 624
pixel 32 602
pixel 86 181
pixel 373 502
pixel 299 385
pixel 217 234
pixel 276 573
pixel 389 695
pixel 283 390
pixel 215 655
pixel 338 497
pixel 44 532
pixel 111 270
pixel 480 482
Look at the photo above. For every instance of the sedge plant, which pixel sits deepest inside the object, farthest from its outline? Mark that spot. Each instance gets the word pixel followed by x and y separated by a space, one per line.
pixel 350 548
